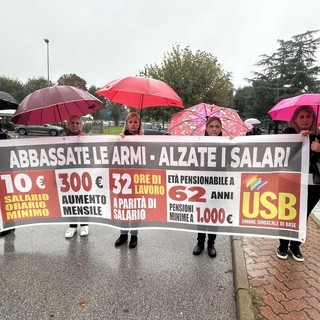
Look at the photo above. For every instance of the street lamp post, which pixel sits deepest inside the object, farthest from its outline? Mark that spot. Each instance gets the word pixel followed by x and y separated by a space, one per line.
pixel 47 42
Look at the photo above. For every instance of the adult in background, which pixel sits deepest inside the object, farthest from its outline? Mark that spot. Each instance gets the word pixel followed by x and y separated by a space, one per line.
pixel 303 121
pixel 74 128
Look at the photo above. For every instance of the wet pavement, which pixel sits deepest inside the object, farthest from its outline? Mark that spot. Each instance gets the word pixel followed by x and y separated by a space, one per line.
pixel 283 289
pixel 45 276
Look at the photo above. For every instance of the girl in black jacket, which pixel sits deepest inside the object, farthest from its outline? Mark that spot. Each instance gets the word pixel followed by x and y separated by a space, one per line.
pixel 132 127
pixel 213 128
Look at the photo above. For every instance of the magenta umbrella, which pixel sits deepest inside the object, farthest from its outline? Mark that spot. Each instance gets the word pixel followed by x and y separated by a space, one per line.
pixel 140 93
pixel 55 104
pixel 284 109
pixel 192 121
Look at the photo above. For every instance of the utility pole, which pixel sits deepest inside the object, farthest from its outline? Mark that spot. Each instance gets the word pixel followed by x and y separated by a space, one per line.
pixel 47 42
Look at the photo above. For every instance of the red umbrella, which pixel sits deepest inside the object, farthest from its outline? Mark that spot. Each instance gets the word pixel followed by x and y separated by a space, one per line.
pixel 55 104
pixel 192 121
pixel 139 93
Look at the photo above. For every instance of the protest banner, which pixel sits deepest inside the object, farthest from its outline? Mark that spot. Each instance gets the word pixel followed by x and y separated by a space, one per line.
pixel 253 185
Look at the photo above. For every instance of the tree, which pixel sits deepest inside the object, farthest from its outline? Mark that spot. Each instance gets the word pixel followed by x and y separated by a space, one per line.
pixel 195 76
pixel 289 71
pixel 244 100
pixel 35 84
pixel 118 111
pixel 72 80
pixel 13 87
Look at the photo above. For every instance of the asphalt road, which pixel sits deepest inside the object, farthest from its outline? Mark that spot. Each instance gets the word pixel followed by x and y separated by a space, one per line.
pixel 45 276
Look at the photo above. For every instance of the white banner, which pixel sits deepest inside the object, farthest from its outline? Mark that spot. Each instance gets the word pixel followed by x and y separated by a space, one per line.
pixel 252 185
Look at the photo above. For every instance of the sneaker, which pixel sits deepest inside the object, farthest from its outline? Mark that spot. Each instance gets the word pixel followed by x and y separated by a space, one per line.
pixel 296 253
pixel 282 253
pixel 70 232
pixel 84 231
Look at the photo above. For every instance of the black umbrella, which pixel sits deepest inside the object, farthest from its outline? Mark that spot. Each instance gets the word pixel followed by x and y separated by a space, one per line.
pixel 7 101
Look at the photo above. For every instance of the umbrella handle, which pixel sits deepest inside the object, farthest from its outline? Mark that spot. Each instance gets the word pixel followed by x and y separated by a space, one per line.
pixel 316 122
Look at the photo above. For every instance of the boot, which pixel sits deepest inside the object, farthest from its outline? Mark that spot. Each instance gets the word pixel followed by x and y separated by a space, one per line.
pixel 133 242
pixel 212 250
pixel 121 240
pixel 198 248
pixel 6 232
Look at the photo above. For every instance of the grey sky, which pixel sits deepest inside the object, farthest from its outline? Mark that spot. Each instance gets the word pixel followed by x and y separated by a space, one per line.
pixel 102 40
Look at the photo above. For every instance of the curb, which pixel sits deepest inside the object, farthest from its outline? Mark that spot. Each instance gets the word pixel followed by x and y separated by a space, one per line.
pixel 315 218
pixel 244 304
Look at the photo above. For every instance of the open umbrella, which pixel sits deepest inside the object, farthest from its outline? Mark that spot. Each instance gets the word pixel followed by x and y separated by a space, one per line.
pixel 7 101
pixel 55 104
pixel 249 125
pixel 192 121
pixel 252 121
pixel 140 92
pixel 284 109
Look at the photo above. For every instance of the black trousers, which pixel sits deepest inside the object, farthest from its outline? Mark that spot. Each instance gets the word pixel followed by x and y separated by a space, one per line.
pixel 313 198
pixel 75 225
pixel 202 238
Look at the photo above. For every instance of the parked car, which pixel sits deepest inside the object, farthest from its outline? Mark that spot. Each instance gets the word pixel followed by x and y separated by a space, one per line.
pixel 108 123
pixel 149 129
pixel 46 129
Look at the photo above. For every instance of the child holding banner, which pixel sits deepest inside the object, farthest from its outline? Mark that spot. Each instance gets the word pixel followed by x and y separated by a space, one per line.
pixel 303 121
pixel 132 127
pixel 213 128
pixel 74 128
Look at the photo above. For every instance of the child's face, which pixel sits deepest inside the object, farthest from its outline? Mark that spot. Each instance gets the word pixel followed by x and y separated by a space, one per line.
pixel 133 124
pixel 214 128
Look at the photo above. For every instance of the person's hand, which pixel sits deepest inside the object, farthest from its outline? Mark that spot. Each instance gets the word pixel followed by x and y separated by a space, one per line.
pixel 305 132
pixel 315 146
pixel 122 135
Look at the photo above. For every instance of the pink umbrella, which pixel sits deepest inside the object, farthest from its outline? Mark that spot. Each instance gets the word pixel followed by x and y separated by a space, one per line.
pixel 249 125
pixel 192 121
pixel 55 104
pixel 140 92
pixel 284 109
